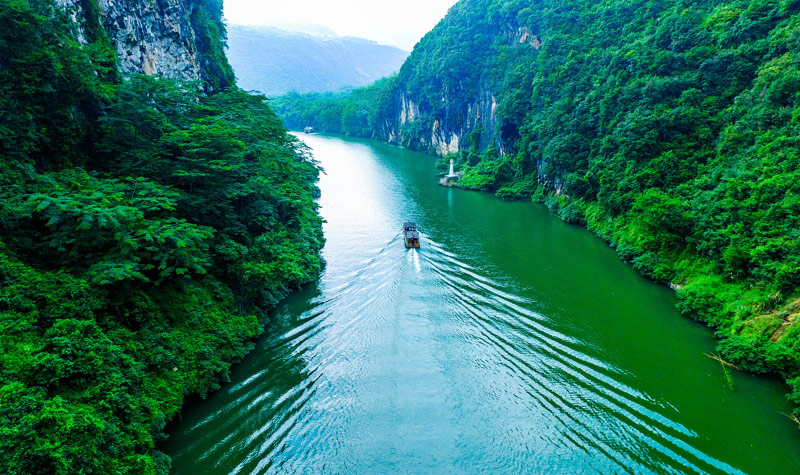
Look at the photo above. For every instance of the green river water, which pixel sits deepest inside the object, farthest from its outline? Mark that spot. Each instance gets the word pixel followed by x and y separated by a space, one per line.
pixel 511 342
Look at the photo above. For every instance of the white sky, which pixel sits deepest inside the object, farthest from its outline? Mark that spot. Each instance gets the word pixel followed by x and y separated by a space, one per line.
pixel 393 22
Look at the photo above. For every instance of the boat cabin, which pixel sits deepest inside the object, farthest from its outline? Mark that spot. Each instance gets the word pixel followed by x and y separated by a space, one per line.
pixel 410 235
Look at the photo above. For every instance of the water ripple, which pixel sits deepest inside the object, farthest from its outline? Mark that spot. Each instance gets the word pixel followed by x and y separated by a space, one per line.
pixel 371 365
pixel 432 360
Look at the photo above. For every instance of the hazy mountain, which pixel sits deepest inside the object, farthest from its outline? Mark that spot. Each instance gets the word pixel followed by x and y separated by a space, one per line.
pixel 275 61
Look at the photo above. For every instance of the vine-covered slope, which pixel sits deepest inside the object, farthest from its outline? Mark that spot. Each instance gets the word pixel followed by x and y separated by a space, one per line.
pixel 144 228
pixel 668 127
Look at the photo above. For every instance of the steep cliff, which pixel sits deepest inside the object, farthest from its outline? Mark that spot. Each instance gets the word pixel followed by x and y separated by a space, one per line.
pixel 454 125
pixel 176 39
pixel 445 95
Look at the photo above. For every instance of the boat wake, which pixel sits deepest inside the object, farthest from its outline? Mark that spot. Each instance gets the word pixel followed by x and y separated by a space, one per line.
pixel 415 360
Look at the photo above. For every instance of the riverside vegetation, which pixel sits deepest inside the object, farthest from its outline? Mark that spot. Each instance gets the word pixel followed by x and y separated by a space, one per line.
pixel 144 229
pixel 670 128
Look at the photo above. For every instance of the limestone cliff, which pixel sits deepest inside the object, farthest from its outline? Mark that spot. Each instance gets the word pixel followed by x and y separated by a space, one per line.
pixel 445 100
pixel 447 130
pixel 176 39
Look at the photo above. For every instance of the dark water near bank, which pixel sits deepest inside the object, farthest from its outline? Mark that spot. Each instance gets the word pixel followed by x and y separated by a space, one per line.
pixel 510 343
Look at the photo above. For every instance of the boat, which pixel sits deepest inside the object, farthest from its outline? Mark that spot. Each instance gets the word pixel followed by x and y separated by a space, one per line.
pixel 308 129
pixel 411 235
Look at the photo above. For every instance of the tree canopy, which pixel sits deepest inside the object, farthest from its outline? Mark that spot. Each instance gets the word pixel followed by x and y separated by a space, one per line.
pixel 145 227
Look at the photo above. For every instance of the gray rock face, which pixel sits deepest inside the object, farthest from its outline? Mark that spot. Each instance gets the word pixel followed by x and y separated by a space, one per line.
pixel 154 37
pixel 449 123
pixel 447 129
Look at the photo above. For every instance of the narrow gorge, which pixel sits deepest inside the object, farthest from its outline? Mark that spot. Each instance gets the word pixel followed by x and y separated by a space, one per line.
pixel 666 127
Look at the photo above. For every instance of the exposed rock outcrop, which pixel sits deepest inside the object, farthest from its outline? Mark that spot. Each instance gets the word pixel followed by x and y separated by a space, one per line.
pixel 460 117
pixel 153 37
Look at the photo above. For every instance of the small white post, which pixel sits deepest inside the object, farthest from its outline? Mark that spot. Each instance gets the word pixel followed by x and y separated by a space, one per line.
pixel 451 168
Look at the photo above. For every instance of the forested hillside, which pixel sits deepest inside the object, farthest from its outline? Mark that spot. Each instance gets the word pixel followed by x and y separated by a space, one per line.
pixel 145 226
pixel 668 127
pixel 274 61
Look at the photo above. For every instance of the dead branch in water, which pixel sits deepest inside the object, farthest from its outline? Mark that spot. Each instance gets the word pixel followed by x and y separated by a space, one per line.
pixel 792 417
pixel 723 361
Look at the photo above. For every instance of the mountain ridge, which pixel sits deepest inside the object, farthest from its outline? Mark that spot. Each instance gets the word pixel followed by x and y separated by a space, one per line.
pixel 275 61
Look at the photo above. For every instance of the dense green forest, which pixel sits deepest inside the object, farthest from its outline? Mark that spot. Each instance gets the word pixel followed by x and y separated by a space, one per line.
pixel 275 61
pixel 671 128
pixel 145 226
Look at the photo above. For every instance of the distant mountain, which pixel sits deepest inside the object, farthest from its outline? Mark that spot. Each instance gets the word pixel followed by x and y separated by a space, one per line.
pixel 276 61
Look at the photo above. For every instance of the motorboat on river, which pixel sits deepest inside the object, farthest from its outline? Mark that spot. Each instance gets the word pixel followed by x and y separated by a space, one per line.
pixel 411 235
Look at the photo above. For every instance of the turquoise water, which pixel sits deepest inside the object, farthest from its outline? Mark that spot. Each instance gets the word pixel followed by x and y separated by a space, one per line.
pixel 510 342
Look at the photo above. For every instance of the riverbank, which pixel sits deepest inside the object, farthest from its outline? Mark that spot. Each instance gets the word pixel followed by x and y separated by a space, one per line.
pixel 127 284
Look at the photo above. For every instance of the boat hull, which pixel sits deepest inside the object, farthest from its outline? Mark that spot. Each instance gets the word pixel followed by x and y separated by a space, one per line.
pixel 412 244
pixel 410 235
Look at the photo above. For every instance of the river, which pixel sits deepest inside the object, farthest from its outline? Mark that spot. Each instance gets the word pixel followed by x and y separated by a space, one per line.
pixel 511 342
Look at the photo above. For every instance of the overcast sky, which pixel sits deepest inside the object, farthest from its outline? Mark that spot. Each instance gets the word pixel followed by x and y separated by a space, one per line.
pixel 393 22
